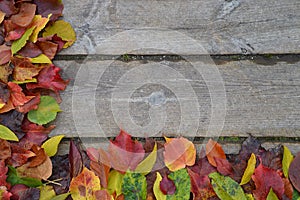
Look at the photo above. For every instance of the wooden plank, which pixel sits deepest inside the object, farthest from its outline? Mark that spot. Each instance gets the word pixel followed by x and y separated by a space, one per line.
pixel 260 99
pixel 220 27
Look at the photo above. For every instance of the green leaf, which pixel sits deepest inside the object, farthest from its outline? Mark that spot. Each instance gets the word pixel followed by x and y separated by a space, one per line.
pixel 272 195
pixel 156 188
pixel 47 192
pixel 226 188
pixel 7 134
pixel 115 179
pixel 14 179
pixel 182 182
pixel 46 112
pixel 61 196
pixel 20 43
pixel 51 145
pixel 286 161
pixel 296 195
pixel 147 164
pixel 62 29
pixel 41 59
pixel 249 170
pixel 134 186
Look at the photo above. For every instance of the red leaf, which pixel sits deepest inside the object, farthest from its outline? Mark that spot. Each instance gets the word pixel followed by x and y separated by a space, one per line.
pixel 167 186
pixel 49 78
pixel 3 172
pixel 294 172
pixel 13 32
pixel 223 166
pixel 214 150
pixel 48 48
pixel 203 167
pixel 125 153
pixel 24 69
pixel 46 7
pixel 5 151
pixel 5 54
pixel 30 50
pixel 288 188
pixel 201 186
pixel 75 159
pixel 25 15
pixel 265 179
pixel 18 98
pixel 30 105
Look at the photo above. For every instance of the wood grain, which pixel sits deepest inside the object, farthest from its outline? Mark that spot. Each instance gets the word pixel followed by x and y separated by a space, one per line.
pixel 172 26
pixel 260 99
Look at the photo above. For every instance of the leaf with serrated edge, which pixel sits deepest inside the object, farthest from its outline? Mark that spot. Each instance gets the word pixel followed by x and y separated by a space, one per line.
pixel 7 134
pixel 20 43
pixel 46 112
pixel 226 188
pixel 156 189
pixel 51 145
pixel 272 195
pixel 249 170
pixel 286 161
pixel 147 164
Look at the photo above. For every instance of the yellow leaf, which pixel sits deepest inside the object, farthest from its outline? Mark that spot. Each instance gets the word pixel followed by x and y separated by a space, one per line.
pixel 47 192
pixel 179 153
pixel 41 59
pixel 156 189
pixel 115 180
pixel 62 29
pixel 286 161
pixel 7 134
pixel 51 145
pixel 85 185
pixel 249 170
pixel 40 23
pixel 147 164
pixel 61 196
pixel 272 195
pixel 17 45
pixel 249 197
pixel 2 15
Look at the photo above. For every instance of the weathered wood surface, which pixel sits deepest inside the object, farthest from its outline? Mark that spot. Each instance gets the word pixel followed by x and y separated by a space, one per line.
pixel 260 99
pixel 221 27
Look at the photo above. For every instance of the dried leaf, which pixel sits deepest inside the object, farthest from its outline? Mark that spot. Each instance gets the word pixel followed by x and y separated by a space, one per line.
pixel 40 156
pixel 25 15
pixel 62 29
pixel 226 188
pixel 5 150
pixel 46 7
pixel 179 153
pixel 134 186
pixel 23 69
pixel 75 159
pixel 265 179
pixel 30 50
pixel 39 22
pixel 294 172
pixel 5 54
pixel 147 164
pixel 286 161
pixel 85 185
pixel 14 179
pixel 224 166
pixel 46 112
pixel 159 195
pixel 214 150
pixel 51 145
pixel 249 170
pixel 167 186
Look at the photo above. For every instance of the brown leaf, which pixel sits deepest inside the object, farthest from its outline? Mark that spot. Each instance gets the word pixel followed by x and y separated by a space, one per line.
pixel 288 188
pixel 8 7
pixel 40 156
pixel 48 48
pixel 5 71
pixel 5 151
pixel 75 159
pixel 25 15
pixel 24 69
pixel 5 54
pixel 294 172
pixel 214 150
pixel 30 50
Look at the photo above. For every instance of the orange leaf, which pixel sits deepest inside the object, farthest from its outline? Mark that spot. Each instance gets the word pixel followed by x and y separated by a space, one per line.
pixel 214 150
pixel 85 185
pixel 179 153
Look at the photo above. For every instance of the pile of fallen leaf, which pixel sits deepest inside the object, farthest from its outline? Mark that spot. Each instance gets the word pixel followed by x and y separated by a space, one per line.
pixel 30 37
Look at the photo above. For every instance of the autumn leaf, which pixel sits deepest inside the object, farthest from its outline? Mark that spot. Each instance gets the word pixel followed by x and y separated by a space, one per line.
pixel 214 150
pixel 7 134
pixel 226 188
pixel 179 153
pixel 17 45
pixel 25 15
pixel 249 170
pixel 14 178
pixel 5 54
pixel 182 182
pixel 294 172
pixel 265 179
pixel 224 167
pixel 62 29
pixel 46 7
pixel 47 192
pixel 286 161
pixel 84 185
pixel 167 186
pixel 115 181
pixel 5 150
pixel 17 97
pixel 61 196
pixel 39 22
pixel 147 164
pixel 24 69
pixel 75 159
pixel 272 195
pixel 156 188
pixel 51 145
pixel 125 153
pixel 41 59
pixel 134 186
pixel 46 112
